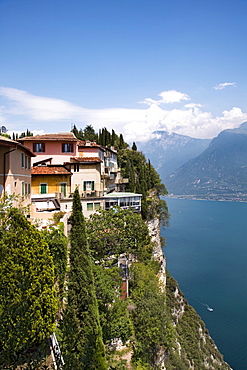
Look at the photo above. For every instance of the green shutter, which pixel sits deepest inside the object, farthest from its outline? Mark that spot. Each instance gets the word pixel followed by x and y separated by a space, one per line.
pixel 63 188
pixel 84 186
pixel 92 185
pixel 43 188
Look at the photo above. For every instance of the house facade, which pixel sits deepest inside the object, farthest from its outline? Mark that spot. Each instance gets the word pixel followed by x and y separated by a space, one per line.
pixel 86 175
pixel 15 170
pixel 63 163
pixel 51 179
pixel 58 147
pixel 94 169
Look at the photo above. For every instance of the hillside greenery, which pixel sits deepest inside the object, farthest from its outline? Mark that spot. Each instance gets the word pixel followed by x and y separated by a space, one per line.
pixel 82 341
pixel 27 297
pixel 104 137
pixel 197 347
pixel 145 180
pixel 96 312
pixel 58 243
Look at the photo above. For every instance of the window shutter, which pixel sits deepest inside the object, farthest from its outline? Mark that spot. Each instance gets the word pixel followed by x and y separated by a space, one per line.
pixel 43 147
pixel 92 185
pixel 22 160
pixel 84 186
pixel 43 188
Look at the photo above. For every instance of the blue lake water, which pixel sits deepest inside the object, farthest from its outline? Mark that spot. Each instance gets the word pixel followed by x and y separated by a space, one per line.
pixel 206 253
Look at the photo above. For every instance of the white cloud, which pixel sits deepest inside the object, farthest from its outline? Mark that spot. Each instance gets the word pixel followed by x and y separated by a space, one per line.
pixel 223 85
pixel 172 96
pixel 22 110
pixel 38 107
pixel 149 101
pixel 193 105
pixel 167 97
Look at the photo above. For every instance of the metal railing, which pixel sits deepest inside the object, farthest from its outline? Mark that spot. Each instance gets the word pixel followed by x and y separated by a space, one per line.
pixel 56 352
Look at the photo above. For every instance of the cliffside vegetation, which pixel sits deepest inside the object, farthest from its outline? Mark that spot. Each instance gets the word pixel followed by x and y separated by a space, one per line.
pixel 27 295
pixel 114 295
pixel 193 347
pixel 144 179
pixel 82 341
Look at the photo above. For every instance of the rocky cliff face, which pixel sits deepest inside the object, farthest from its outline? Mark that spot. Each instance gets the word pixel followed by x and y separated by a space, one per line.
pixel 192 347
pixel 158 255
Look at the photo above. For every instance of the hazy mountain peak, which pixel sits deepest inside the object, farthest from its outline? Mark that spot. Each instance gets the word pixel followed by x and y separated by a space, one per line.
pixel 219 172
pixel 168 150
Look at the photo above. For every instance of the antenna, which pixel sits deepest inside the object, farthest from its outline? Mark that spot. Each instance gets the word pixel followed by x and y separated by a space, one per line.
pixel 3 129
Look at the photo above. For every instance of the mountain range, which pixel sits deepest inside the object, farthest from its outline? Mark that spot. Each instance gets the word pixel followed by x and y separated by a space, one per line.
pixel 168 151
pixel 218 172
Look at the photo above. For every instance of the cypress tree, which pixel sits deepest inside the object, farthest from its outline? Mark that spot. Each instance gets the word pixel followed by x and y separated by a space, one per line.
pixel 108 138
pixel 113 138
pixel 82 334
pixel 121 142
pixel 134 147
pixel 75 131
pixel 100 137
pixel 103 138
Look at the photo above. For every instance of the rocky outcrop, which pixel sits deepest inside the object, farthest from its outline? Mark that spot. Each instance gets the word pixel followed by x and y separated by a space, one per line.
pixel 193 346
pixel 158 255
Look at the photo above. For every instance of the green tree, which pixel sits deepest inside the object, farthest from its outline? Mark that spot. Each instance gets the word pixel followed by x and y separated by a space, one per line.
pixel 82 335
pixel 75 131
pixel 113 138
pixel 57 243
pixel 121 142
pixel 27 297
pixel 118 231
pixel 89 133
pixel 144 179
pixel 114 318
pixel 149 315
pixel 134 147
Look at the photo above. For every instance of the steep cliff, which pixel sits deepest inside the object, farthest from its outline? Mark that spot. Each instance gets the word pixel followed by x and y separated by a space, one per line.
pixel 191 345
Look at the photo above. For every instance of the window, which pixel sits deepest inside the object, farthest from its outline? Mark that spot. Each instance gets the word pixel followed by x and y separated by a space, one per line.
pixel 38 147
pixel 67 148
pixel 29 188
pixel 43 188
pixel 76 167
pixel 63 188
pixel 89 206
pixel 88 185
pixel 23 188
pixel 96 206
pixel 22 160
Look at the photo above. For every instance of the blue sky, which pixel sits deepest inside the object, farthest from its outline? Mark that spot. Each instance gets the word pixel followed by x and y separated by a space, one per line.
pixel 135 66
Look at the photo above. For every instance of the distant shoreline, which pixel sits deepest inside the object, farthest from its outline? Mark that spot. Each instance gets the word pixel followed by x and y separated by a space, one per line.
pixel 211 198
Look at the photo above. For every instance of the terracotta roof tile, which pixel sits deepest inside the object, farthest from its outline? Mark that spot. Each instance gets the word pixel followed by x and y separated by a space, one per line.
pixel 50 170
pixel 86 160
pixel 12 143
pixel 89 144
pixel 51 137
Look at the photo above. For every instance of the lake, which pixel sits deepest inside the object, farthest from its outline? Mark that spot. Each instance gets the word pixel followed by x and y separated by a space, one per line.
pixel 206 253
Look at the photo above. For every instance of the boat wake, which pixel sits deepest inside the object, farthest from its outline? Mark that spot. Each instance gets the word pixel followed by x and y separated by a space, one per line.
pixel 204 304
